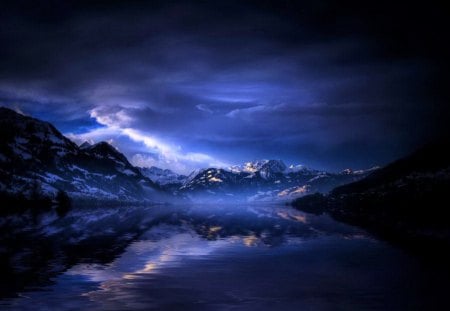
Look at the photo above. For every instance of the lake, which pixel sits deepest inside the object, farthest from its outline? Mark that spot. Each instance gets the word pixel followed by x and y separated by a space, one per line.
pixel 207 257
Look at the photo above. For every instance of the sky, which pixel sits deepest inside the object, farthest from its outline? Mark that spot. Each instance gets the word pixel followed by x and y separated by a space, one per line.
pixel 191 84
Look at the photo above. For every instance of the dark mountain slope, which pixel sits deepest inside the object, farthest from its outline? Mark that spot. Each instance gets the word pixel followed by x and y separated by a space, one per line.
pixel 429 159
pixel 36 159
pixel 407 201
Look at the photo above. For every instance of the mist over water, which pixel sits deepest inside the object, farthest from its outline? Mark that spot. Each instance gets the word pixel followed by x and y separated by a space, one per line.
pixel 205 257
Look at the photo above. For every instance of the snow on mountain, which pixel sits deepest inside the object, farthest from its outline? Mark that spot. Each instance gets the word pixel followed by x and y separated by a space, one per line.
pixel 211 178
pixel 104 150
pixel 263 180
pixel 36 157
pixel 162 176
pixel 269 166
pixel 272 169
pixel 255 166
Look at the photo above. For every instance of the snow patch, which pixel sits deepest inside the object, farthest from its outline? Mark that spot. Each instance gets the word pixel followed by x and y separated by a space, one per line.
pixel 23 154
pixel 51 178
pixel 77 168
pixel 128 172
pixel 215 179
pixel 55 140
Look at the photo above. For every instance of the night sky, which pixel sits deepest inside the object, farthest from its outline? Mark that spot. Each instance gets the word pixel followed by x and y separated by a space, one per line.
pixel 183 85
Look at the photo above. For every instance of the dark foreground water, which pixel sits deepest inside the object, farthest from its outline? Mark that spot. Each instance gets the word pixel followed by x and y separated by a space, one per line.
pixel 207 258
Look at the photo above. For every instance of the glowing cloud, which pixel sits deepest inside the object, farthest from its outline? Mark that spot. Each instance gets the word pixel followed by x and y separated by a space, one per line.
pixel 116 124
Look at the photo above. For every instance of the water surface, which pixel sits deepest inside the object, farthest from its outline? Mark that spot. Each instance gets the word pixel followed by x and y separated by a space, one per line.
pixel 207 257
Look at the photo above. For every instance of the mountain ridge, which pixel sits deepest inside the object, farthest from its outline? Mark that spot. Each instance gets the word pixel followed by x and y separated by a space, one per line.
pixel 263 180
pixel 35 152
pixel 405 201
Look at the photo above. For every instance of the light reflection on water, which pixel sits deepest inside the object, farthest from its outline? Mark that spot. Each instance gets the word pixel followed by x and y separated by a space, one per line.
pixel 204 258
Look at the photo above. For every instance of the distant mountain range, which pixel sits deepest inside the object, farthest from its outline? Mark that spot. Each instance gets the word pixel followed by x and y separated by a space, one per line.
pixel 36 159
pixel 163 177
pixel 264 180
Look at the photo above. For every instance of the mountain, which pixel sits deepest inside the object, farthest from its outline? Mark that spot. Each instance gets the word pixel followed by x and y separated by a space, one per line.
pixel 85 145
pixel 262 180
pixel 36 159
pixel 429 160
pixel 165 178
pixel 212 183
pixel 266 168
pixel 406 200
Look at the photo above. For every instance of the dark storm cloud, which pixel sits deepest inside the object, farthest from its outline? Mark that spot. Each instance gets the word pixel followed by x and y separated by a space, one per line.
pixel 226 81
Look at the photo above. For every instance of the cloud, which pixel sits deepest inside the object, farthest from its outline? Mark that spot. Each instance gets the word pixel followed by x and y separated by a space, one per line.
pixel 115 119
pixel 231 80
pixel 205 108
pixel 171 157
pixel 184 164
pixel 95 135
pixel 157 153
pixel 252 112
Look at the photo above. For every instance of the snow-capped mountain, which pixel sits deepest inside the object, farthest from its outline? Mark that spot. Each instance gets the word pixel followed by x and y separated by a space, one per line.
pixel 36 157
pixel 163 177
pixel 264 180
pixel 259 165
pixel 212 178
pixel 268 168
pixel 34 154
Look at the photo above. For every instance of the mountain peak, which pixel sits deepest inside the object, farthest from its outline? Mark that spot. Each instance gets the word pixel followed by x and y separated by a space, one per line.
pixel 103 146
pixel 85 145
pixel 35 152
pixel 271 168
pixel 258 165
pixel 104 149
pixel 5 111
pixel 28 137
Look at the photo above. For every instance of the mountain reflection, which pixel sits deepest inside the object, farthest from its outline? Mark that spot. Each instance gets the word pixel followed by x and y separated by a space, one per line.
pixel 37 248
pixel 193 258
